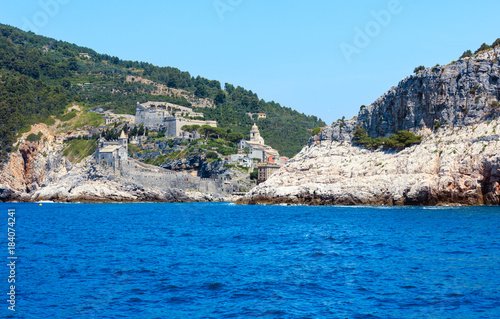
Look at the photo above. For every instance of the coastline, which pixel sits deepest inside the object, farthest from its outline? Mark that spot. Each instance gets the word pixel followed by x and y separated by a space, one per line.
pixel 309 201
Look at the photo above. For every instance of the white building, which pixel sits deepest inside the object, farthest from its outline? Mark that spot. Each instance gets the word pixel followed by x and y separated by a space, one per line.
pixel 256 146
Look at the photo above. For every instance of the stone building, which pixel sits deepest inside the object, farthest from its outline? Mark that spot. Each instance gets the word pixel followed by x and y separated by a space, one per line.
pixel 173 125
pixel 256 146
pixel 112 153
pixel 159 115
pixel 265 170
pixel 84 55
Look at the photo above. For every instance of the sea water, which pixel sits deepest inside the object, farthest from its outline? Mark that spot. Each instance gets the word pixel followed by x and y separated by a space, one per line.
pixel 218 260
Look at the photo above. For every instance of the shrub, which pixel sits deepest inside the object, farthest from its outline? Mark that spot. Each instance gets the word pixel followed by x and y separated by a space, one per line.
pixel 399 140
pixel 483 47
pixel 362 138
pixel 254 174
pixel 405 138
pixel 68 116
pixel 48 120
pixel 466 54
pixel 496 43
pixel 316 130
pixel 34 137
pixel 418 69
pixel 437 125
pixel 212 155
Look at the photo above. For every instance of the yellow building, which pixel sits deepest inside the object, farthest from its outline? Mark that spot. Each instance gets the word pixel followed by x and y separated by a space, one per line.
pixel 265 170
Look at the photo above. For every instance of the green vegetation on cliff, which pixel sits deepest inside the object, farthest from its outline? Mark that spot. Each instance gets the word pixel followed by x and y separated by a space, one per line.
pixel 399 140
pixel 25 101
pixel 483 47
pixel 78 149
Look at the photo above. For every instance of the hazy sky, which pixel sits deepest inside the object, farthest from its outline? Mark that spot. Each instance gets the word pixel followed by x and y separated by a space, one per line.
pixel 320 57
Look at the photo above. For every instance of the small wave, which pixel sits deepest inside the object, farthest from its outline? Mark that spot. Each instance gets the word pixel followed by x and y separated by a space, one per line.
pixel 135 300
pixel 456 252
pixel 316 254
pixel 145 271
pixel 274 313
pixel 136 291
pixel 214 286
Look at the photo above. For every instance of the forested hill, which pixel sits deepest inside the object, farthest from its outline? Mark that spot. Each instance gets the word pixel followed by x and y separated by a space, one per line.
pixel 40 77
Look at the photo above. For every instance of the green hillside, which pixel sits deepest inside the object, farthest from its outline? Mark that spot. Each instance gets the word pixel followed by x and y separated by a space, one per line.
pixel 40 77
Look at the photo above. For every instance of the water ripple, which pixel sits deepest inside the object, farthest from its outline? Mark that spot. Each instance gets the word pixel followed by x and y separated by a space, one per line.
pixel 205 260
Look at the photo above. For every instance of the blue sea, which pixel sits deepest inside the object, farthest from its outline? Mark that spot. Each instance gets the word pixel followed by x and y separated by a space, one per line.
pixel 218 260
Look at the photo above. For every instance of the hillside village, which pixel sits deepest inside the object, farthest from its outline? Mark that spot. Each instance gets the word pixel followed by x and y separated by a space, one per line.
pixel 177 139
pixel 86 131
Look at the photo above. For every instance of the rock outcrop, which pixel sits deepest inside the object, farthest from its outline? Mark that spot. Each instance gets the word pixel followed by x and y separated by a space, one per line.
pixel 190 164
pixel 39 171
pixel 454 107
pixel 197 165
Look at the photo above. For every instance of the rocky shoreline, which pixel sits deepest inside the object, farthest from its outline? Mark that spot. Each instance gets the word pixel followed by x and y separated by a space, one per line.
pixel 454 107
pixel 38 171
pixel 455 166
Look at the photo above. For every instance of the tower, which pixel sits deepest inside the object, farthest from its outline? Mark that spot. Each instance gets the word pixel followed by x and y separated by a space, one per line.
pixel 255 135
pixel 123 140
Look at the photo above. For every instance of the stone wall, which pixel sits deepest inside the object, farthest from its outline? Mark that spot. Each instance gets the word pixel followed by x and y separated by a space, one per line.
pixel 174 124
pixel 159 178
pixel 150 117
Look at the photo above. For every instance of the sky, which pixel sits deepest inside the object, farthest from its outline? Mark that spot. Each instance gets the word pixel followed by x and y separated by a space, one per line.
pixel 323 57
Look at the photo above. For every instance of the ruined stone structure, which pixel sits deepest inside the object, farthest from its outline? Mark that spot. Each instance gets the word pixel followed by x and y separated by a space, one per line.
pixel 112 153
pixel 159 115
pixel 173 125
pixel 159 178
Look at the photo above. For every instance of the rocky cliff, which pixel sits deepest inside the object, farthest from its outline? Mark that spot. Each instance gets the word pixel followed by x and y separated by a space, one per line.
pixel 197 165
pixel 39 171
pixel 455 107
